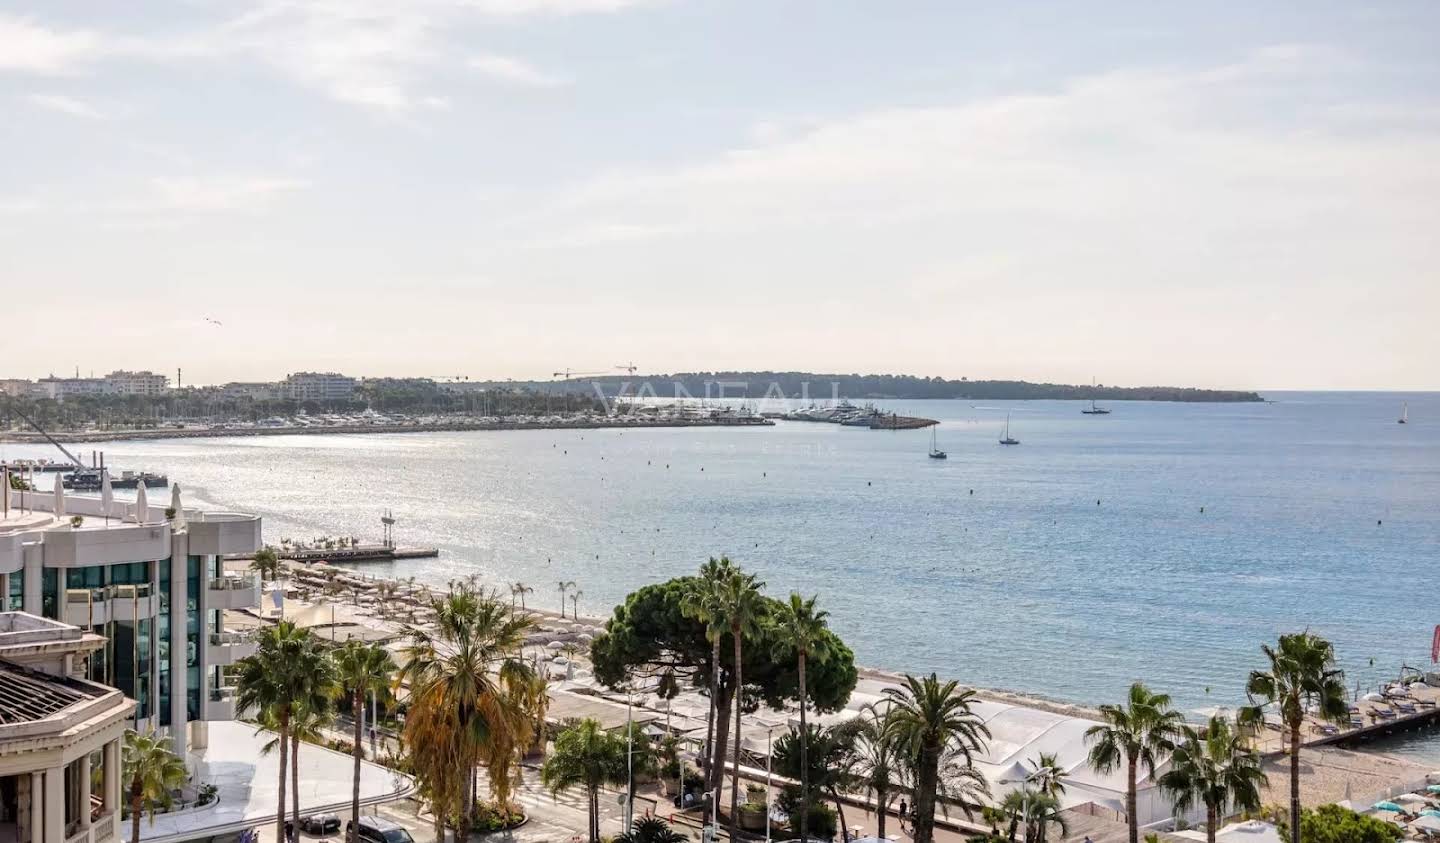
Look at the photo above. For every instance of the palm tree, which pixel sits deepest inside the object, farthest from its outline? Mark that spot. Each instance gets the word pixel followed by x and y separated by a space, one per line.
pixel 1039 811
pixel 307 725
pixel 273 681
pixel 267 563
pixel 1136 734
pixel 931 723
pixel 473 701
pixel 1215 769
pixel 565 585
pixel 800 629
pixel 585 756
pixel 743 609
pixel 1302 677
pixel 575 604
pixel 361 669
pixel 878 765
pixel 651 830
pixel 1047 775
pixel 153 772
pixel 520 589
pixel 702 603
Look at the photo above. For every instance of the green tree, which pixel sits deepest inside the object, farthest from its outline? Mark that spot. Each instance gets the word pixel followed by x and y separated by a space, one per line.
pixel 1047 775
pixel 702 601
pixel 473 701
pixel 266 563
pixel 1039 811
pixel 1215 769
pixel 651 830
pixel 153 772
pixel 933 725
pixel 653 633
pixel 1302 677
pixel 744 611
pixel 878 768
pixel 799 629
pixel 585 756
pixel 1136 735
pixel 1334 824
pixel 273 682
pixel 361 669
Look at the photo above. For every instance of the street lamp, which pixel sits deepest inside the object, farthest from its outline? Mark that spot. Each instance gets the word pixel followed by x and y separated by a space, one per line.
pixel 769 780
pixel 629 760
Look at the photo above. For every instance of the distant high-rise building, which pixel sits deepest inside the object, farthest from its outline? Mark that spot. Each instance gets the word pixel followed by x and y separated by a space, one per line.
pixel 318 386
pixel 121 382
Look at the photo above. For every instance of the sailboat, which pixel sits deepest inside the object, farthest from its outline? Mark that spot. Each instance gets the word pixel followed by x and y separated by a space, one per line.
pixel 1094 410
pixel 935 453
pixel 1405 413
pixel 1007 439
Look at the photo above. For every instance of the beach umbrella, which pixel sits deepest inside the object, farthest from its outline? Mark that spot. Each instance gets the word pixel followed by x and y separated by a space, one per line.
pixel 175 505
pixel 107 494
pixel 1373 697
pixel 1430 813
pixel 1434 788
pixel 1409 798
pixel 1426 825
pixel 5 491
pixel 1386 806
pixel 142 506
pixel 59 497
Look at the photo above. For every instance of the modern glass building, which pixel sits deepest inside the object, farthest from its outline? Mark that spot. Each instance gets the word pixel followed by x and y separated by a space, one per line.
pixel 151 582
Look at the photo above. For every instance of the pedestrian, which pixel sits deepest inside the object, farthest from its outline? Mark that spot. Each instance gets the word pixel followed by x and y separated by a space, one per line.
pixel 904 810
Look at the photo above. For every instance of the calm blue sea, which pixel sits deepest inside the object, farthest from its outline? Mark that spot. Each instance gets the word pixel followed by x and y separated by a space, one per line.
pixel 1067 566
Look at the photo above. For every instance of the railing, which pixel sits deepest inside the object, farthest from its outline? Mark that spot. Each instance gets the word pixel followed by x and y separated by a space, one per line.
pixel 222 693
pixel 234 582
pixel 104 827
pixel 138 591
pixel 222 638
pixel 82 596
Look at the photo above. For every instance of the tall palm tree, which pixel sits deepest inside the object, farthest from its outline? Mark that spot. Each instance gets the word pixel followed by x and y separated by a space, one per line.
pixel 585 756
pixel 1217 769
pixel 565 586
pixel 521 589
pixel 1136 734
pixel 931 722
pixel 473 701
pixel 742 607
pixel 266 563
pixel 153 772
pixel 800 631
pixel 273 681
pixel 878 766
pixel 702 603
pixel 1302 677
pixel 1047 775
pixel 575 604
pixel 361 669
pixel 831 757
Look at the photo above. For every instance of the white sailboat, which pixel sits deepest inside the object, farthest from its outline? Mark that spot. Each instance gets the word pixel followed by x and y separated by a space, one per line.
pixel 935 452
pixel 1007 439
pixel 1405 413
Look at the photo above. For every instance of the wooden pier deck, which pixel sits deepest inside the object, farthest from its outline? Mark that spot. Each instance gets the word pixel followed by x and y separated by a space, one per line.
pixel 1419 708
pixel 362 553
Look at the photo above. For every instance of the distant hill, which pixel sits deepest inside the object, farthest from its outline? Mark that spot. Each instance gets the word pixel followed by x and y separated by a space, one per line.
pixel 857 387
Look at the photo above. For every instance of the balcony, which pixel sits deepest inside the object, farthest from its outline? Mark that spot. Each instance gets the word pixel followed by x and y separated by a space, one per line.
pixel 226 648
pixel 220 533
pixel 96 544
pixel 235 591
pixel 221 705
pixel 86 607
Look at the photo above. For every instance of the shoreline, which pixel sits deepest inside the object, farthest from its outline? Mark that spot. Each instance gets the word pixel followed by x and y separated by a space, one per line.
pixel 634 422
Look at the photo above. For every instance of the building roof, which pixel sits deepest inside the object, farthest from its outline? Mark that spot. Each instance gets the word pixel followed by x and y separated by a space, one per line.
pixel 27 696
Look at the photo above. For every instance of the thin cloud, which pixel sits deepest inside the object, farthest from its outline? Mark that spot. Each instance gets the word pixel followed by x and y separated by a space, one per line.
pixel 220 193
pixel 65 105
pixel 514 71
pixel 26 46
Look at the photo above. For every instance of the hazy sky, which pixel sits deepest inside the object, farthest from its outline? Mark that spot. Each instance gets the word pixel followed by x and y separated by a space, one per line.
pixel 1230 194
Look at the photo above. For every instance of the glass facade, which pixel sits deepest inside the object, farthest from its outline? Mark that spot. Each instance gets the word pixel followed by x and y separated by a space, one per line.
pixel 17 591
pixel 193 584
pixel 127 661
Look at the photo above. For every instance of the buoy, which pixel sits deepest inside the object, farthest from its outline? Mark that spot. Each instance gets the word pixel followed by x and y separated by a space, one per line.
pixel 1378 522
pixel 867 482
pixel 972 491
pixel 1097 501
pixel 1202 510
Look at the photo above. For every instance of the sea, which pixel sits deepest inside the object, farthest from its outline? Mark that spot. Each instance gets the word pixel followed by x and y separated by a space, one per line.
pixel 1164 542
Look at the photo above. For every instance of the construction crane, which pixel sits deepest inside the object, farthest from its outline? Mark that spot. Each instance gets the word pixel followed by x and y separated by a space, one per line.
pixel 628 367
pixel 74 460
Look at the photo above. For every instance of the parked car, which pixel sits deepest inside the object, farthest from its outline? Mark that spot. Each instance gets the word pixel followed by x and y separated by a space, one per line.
pixel 381 830
pixel 317 824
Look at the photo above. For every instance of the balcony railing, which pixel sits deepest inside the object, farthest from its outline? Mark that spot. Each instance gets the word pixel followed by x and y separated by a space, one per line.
pixel 103 828
pixel 234 582
pixel 81 596
pixel 222 693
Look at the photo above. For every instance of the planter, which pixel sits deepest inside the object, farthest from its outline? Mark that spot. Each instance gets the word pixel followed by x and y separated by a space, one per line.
pixel 752 817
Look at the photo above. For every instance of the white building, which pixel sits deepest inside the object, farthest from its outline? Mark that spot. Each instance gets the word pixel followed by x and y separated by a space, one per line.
pixel 319 386
pixel 62 388
pixel 121 382
pixel 258 390
pixel 152 585
pixel 59 736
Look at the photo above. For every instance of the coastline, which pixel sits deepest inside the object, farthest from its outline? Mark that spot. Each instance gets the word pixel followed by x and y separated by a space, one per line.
pixel 627 422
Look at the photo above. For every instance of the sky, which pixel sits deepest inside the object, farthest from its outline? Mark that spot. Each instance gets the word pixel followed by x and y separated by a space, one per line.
pixel 1216 195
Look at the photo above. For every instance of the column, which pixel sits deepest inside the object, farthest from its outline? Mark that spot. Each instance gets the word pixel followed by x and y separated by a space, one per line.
pixel 37 807
pixel 5 591
pixel 112 778
pixel 55 805
pixel 84 784
pixel 34 560
pixel 179 621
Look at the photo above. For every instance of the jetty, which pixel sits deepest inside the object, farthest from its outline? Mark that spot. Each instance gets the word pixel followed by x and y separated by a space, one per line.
pixel 356 553
pixel 849 415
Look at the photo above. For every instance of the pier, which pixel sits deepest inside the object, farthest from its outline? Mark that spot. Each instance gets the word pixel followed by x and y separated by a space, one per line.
pixel 359 553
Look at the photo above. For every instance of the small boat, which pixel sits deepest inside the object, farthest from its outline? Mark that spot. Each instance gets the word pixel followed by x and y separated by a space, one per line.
pixel 1405 413
pixel 935 452
pixel 1007 439
pixel 1094 410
